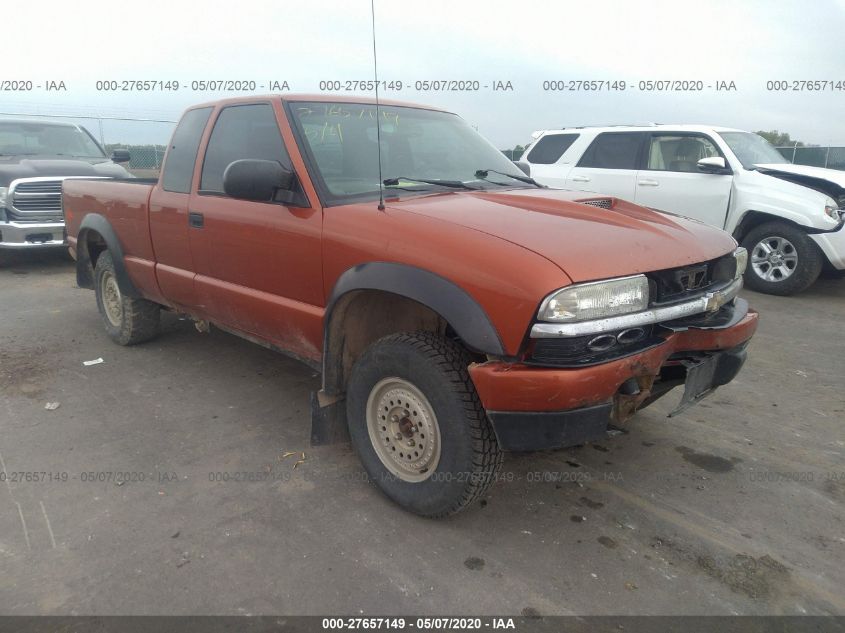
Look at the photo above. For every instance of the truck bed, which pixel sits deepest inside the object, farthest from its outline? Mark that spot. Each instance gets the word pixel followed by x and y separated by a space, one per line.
pixel 125 204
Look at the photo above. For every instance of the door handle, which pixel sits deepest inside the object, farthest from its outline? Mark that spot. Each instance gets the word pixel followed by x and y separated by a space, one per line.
pixel 196 219
pixel 580 179
pixel 648 183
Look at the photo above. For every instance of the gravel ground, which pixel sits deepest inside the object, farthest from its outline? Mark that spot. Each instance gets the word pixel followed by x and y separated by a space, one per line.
pixel 735 507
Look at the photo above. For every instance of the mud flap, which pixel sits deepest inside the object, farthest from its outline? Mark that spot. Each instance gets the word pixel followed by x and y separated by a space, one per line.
pixel 328 420
pixel 704 376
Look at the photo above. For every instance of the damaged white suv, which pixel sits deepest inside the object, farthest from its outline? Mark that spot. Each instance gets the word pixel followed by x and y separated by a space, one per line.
pixel 789 217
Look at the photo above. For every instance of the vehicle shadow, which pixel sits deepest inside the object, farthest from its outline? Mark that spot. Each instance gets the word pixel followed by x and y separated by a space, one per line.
pixel 42 261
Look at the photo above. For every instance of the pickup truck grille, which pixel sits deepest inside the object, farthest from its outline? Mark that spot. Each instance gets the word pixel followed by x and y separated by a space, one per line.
pixel 36 200
pixel 681 284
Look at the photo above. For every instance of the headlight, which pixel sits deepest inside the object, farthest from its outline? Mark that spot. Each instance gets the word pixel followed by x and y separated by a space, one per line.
pixel 831 209
pixel 596 300
pixel 741 257
pixel 833 212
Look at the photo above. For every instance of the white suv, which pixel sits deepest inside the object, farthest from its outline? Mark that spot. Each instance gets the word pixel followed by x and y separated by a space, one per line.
pixel 788 217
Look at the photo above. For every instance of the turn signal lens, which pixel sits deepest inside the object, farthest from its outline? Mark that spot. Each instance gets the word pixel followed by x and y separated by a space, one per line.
pixel 741 257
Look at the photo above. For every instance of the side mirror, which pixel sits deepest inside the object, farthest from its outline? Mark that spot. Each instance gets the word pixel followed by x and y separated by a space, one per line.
pixel 712 165
pixel 120 156
pixel 259 180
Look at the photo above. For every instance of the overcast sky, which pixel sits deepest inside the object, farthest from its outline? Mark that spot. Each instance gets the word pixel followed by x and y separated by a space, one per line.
pixel 524 42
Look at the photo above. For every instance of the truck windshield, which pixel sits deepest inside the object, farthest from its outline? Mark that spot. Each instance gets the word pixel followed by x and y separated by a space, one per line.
pixel 752 149
pixel 418 144
pixel 24 138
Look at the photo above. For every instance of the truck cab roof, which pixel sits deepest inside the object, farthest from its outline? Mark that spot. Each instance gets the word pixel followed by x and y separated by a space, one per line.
pixel 319 98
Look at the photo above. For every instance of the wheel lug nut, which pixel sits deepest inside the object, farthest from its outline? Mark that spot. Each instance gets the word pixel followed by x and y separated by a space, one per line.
pixel 394 418
pixel 411 442
pixel 398 436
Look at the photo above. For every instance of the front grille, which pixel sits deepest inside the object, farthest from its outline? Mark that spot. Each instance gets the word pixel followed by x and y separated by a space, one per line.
pixel 37 197
pixel 39 186
pixel 687 282
pixel 604 203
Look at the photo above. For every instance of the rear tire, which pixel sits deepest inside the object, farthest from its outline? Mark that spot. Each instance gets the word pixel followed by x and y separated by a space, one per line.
pixel 418 426
pixel 128 320
pixel 782 259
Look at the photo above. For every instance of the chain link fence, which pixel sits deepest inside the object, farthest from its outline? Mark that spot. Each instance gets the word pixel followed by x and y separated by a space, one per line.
pixel 146 140
pixel 830 157
pixel 144 160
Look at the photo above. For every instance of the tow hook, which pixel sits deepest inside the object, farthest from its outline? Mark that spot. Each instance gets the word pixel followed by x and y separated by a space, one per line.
pixel 203 326
pixel 631 394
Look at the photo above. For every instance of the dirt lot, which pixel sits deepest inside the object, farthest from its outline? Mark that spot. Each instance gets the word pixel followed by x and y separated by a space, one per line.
pixel 734 507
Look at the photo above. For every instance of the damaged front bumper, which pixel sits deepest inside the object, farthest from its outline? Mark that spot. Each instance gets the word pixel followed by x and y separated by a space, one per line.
pixel 533 407
pixel 832 244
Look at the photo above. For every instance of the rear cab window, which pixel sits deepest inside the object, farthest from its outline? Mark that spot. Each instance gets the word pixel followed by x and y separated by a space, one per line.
pixel 550 148
pixel 182 155
pixel 614 150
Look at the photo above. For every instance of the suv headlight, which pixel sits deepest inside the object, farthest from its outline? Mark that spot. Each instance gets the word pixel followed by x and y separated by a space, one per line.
pixel 596 300
pixel 832 210
pixel 741 257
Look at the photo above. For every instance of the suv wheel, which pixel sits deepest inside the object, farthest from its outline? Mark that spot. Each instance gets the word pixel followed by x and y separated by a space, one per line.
pixel 418 426
pixel 783 259
pixel 128 321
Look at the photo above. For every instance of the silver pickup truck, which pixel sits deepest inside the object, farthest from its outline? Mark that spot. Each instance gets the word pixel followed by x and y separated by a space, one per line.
pixel 35 157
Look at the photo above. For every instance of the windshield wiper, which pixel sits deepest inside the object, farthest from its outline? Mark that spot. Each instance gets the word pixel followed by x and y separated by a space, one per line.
pixel 453 184
pixel 482 174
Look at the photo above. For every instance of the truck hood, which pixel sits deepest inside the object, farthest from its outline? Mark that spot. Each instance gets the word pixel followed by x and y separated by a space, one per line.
pixel 12 168
pixel 586 242
pixel 828 181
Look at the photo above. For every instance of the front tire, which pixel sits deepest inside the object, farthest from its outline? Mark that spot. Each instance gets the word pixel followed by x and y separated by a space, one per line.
pixel 418 426
pixel 128 320
pixel 782 259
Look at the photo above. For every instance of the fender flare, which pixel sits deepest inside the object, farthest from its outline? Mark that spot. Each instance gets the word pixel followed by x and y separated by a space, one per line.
pixel 84 266
pixel 752 217
pixel 450 301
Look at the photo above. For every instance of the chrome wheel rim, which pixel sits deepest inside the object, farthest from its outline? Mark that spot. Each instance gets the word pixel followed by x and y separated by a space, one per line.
pixel 112 300
pixel 774 259
pixel 403 429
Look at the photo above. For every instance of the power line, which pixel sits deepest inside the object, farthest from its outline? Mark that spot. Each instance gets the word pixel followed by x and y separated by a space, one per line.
pixel 85 116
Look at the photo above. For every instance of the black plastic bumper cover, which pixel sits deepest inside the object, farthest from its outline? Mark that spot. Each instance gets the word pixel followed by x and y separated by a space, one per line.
pixel 539 430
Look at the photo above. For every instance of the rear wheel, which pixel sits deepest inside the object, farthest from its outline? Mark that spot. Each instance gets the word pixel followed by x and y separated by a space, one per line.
pixel 783 259
pixel 418 426
pixel 128 320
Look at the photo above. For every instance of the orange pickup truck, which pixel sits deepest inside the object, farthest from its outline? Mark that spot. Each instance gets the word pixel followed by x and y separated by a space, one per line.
pixel 455 308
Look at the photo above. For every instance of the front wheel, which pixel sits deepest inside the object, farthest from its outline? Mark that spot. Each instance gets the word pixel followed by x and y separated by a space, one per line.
pixel 418 426
pixel 782 259
pixel 128 320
